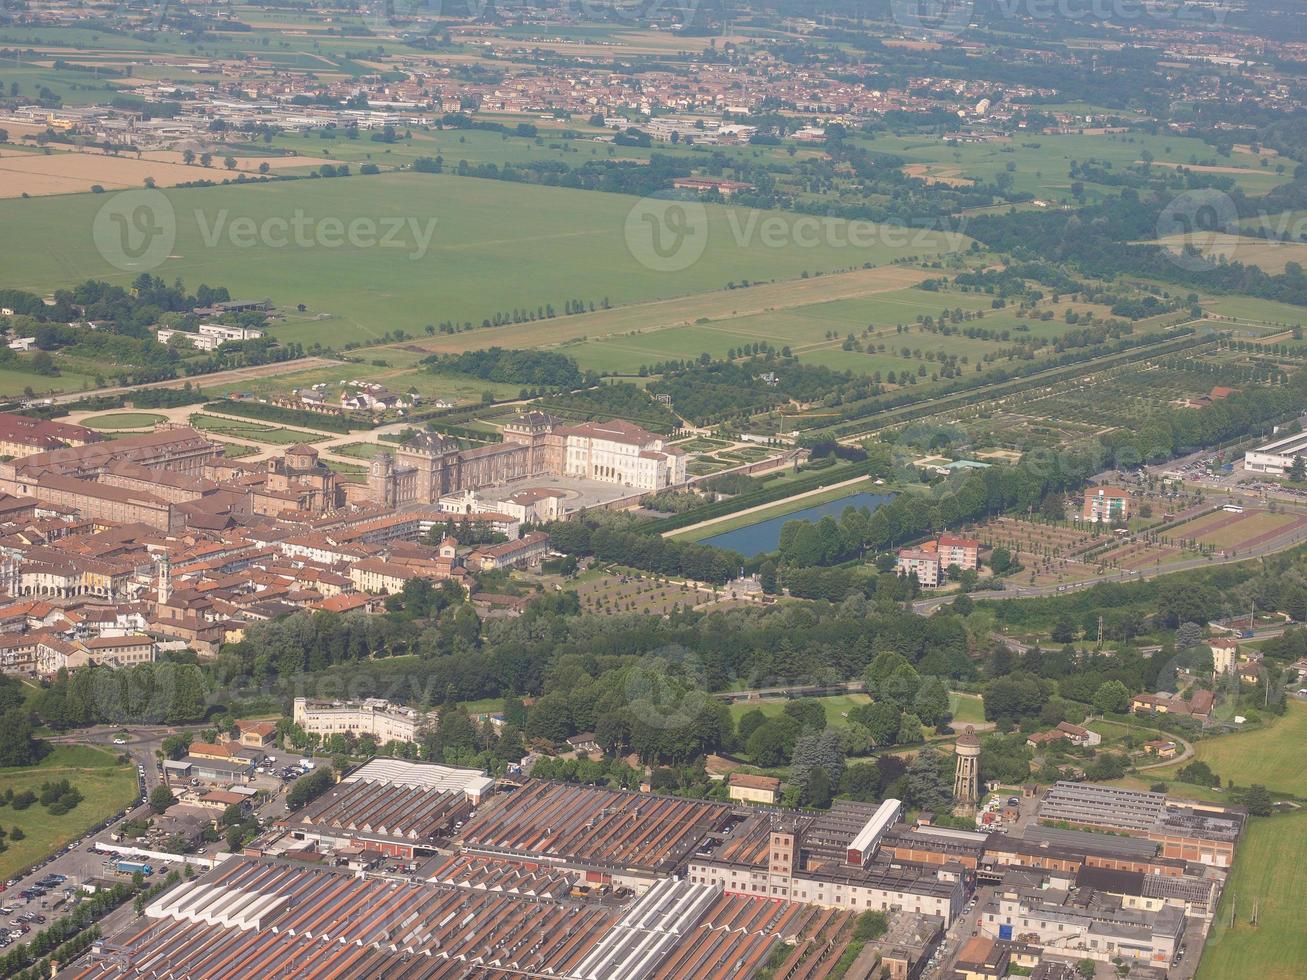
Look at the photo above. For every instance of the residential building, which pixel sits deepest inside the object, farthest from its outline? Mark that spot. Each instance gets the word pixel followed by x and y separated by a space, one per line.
pixel 526 550
pixel 257 734
pixel 959 551
pixel 751 788
pixel 1106 505
pixel 1225 655
pixel 922 562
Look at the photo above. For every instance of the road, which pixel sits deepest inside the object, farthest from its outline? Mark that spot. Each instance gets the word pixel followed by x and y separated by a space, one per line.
pixel 78 863
pixel 964 927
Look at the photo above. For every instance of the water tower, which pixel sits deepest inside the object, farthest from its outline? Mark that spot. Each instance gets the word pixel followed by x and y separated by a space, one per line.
pixel 966 779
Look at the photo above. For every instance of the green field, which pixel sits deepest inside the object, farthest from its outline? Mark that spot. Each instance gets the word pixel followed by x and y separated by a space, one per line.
pixel 359 450
pixel 124 420
pixel 446 261
pixel 1269 869
pixel 106 786
pixel 397 368
pixel 836 707
pixel 253 431
pixel 968 709
pixel 1256 310
pixel 1271 756
pixel 1041 162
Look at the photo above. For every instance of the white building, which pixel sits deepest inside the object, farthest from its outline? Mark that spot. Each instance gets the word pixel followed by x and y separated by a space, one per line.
pixel 535 505
pixel 620 452
pixel 382 720
pixel 1276 457
pixel 211 335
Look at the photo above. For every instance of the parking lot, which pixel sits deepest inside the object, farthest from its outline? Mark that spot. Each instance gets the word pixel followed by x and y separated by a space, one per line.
pixel 79 861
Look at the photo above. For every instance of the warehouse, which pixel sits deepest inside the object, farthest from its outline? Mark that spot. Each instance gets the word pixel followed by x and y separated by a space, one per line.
pixel 610 836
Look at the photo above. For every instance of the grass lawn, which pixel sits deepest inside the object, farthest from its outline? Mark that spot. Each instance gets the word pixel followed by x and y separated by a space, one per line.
pixel 486 706
pixel 253 431
pixel 837 706
pixel 1145 781
pixel 360 450
pixel 967 709
pixel 125 420
pixel 1268 868
pixel 1271 755
pixel 106 786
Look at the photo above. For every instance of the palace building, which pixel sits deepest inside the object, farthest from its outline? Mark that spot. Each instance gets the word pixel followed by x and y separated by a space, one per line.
pixel 535 444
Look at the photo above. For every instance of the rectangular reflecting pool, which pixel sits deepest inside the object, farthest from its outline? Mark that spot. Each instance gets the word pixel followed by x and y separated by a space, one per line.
pixel 756 539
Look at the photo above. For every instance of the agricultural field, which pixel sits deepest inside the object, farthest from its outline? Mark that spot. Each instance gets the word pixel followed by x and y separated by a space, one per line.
pixel 1137 554
pixel 1228 532
pixel 25 174
pixel 17 377
pixel 1267 870
pixel 1041 163
pixel 105 785
pixel 1250 313
pixel 453 237
pixel 395 367
pixel 1129 395
pixel 1269 256
pixel 632 323
pixel 816 331
pixel 1065 553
